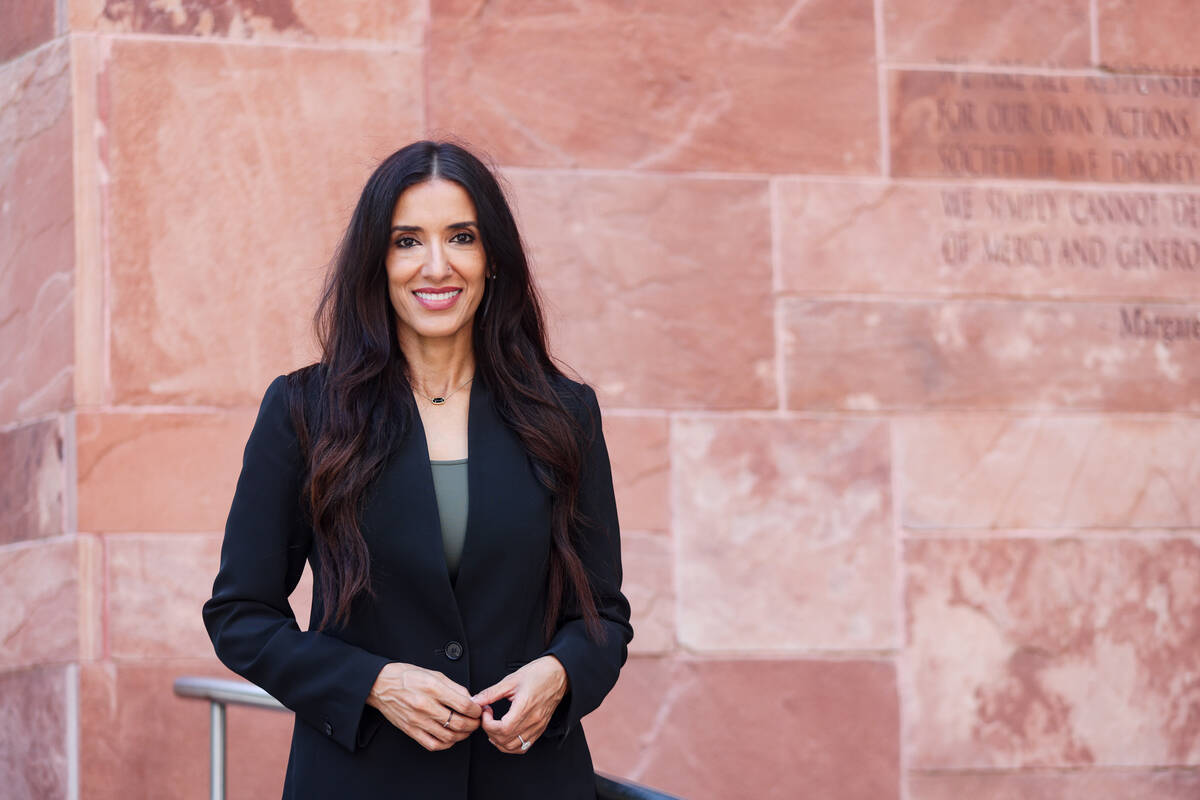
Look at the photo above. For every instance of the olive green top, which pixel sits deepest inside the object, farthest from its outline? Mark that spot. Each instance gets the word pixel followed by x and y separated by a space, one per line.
pixel 450 486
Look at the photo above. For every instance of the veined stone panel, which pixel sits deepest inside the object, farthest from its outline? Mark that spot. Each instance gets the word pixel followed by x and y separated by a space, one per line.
pixel 990 355
pixel 1099 784
pixel 137 739
pixel 784 531
pixel 1052 653
pixel 156 586
pixel 234 171
pixel 776 86
pixel 1158 36
pixel 1029 32
pixel 657 288
pixel 158 472
pixel 33 488
pixel 34 716
pixel 1107 128
pixel 988 472
pixel 27 24
pixel 39 618
pixel 772 729
pixel 648 581
pixel 36 232
pixel 884 237
pixel 392 21
pixel 638 450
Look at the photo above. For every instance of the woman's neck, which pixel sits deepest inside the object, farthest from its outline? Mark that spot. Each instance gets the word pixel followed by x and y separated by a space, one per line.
pixel 438 365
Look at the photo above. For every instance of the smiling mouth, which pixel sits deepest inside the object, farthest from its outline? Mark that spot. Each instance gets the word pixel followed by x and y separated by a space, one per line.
pixel 437 296
pixel 437 299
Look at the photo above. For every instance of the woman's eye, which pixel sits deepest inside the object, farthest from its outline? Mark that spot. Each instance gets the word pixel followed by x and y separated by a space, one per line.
pixel 404 242
pixel 463 237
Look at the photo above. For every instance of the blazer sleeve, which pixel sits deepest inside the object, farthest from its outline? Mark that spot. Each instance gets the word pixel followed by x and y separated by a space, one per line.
pixel 324 679
pixel 592 667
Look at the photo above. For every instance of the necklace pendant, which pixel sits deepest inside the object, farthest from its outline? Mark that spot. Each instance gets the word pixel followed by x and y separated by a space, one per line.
pixel 437 401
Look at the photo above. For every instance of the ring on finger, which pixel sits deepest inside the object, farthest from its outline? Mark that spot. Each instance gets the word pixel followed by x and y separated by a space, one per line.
pixel 446 724
pixel 524 744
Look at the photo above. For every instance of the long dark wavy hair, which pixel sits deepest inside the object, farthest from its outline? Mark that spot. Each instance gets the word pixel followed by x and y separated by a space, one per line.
pixel 367 405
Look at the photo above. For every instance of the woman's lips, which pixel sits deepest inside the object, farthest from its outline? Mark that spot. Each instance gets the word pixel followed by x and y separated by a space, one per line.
pixel 437 299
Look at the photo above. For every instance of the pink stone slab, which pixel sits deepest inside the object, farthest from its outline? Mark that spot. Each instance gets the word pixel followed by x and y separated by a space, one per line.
pixel 641 305
pixel 1056 472
pixel 1148 37
pixel 990 355
pixel 1052 653
pixel 34 720
pixel 158 472
pixel 709 730
pixel 32 491
pixel 39 618
pixel 36 224
pixel 1038 33
pixel 784 530
pixel 648 563
pixel 234 170
pixel 27 24
pixel 1109 128
pixel 988 239
pixel 775 87
pixel 639 452
pixel 1098 784
pixel 399 23
pixel 156 585
pixel 136 739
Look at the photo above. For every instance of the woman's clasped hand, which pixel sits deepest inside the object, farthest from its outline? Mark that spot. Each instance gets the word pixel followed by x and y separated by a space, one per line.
pixel 437 713
pixel 419 702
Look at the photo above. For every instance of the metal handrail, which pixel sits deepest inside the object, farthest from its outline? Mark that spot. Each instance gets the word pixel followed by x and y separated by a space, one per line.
pixel 221 692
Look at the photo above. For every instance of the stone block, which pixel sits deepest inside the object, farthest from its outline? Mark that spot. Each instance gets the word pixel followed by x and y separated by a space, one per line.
pixel 137 739
pixel 1147 37
pixel 27 24
pixel 158 472
pixel 1052 653
pixel 647 561
pixel 36 230
pixel 880 237
pixel 686 86
pixel 34 717
pixel 1100 784
pixel 764 729
pixel 39 618
pixel 32 493
pixel 383 21
pixel 997 355
pixel 1039 33
pixel 645 310
pixel 639 452
pixel 993 472
pixel 209 300
pixel 784 532
pixel 1102 128
pixel 156 586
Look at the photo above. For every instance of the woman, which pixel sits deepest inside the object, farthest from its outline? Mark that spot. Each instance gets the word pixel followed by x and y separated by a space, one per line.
pixel 451 489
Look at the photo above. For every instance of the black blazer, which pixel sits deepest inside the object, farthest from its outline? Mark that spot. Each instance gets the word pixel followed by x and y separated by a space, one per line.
pixel 475 631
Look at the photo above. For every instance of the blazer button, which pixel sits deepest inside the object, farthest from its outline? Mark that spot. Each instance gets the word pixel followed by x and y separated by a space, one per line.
pixel 454 651
pixel 328 728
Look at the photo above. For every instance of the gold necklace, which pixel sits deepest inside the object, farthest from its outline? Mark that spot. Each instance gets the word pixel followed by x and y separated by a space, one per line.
pixel 441 399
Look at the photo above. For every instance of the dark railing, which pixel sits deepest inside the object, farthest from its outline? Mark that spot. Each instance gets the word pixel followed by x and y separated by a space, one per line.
pixel 220 692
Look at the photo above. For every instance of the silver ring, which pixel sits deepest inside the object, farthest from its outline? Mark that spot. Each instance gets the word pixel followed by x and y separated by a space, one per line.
pixel 446 724
pixel 524 744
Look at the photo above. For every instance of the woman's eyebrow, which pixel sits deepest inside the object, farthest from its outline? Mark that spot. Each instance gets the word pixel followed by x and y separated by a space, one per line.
pixel 417 228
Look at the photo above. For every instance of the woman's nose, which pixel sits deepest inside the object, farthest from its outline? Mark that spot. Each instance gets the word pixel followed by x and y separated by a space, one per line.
pixel 438 264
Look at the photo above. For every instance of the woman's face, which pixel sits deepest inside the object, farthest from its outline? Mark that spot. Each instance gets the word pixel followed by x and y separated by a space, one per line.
pixel 436 264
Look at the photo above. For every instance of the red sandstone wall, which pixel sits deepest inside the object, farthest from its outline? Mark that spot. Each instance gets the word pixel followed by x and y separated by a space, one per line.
pixel 891 305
